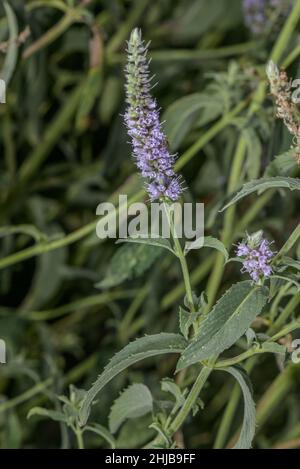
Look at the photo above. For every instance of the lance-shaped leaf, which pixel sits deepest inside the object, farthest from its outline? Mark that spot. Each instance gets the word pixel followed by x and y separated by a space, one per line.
pixel 248 427
pixel 134 402
pixel 207 242
pixel 260 185
pixel 141 348
pixel 159 242
pixel 226 323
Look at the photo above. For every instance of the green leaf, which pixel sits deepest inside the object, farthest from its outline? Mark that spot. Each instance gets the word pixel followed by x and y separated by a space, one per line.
pixel 130 261
pixel 260 185
pixel 226 323
pixel 273 347
pixel 12 52
pixel 248 427
pixel 183 113
pixel 47 279
pixel 207 242
pixel 186 320
pixel 290 262
pixel 198 16
pixel 254 151
pixel 51 414
pixel 289 278
pixel 168 385
pixel 101 431
pixel 90 92
pixel 282 165
pixel 144 347
pixel 134 402
pixel 159 242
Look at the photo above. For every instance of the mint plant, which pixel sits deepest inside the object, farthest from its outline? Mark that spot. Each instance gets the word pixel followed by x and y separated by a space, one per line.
pixel 149 341
pixel 204 332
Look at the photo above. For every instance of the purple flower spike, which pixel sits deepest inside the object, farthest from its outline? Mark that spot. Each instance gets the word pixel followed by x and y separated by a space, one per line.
pixel 150 147
pixel 257 255
pixel 263 14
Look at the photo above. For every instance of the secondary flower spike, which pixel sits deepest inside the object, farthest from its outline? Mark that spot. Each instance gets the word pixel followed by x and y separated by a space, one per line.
pixel 263 15
pixel 257 255
pixel 150 146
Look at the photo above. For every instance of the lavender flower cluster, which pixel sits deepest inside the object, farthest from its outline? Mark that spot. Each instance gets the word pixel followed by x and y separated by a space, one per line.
pixel 262 14
pixel 150 146
pixel 257 257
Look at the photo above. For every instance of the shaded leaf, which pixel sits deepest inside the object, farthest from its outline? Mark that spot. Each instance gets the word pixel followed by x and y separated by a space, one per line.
pixel 130 261
pixel 134 402
pixel 248 427
pixel 260 185
pixel 51 414
pixel 144 347
pixel 207 242
pixel 159 242
pixel 183 113
pixel 282 165
pixel 226 323
pixel 103 432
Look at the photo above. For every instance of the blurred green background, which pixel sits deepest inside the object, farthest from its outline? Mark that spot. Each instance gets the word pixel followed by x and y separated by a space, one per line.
pixel 64 150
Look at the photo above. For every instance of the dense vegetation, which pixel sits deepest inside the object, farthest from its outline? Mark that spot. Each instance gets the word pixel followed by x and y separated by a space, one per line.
pixel 70 301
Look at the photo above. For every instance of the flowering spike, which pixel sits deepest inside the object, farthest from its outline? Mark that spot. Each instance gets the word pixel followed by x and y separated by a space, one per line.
pixel 257 256
pixel 150 146
pixel 262 15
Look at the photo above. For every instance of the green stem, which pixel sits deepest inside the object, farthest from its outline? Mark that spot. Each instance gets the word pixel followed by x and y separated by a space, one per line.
pixel 286 33
pixel 285 331
pixel 79 438
pixel 277 300
pixel 53 33
pixel 72 376
pixel 291 57
pixel 289 244
pixel 25 396
pixel 186 275
pixel 58 243
pixel 227 418
pixel 275 393
pixel 55 130
pixel 180 254
pixel 196 276
pixel 194 55
pixel 239 358
pixel 234 180
pixel 190 401
pixel 88 302
pixel 123 31
pixel 254 209
pixel 286 313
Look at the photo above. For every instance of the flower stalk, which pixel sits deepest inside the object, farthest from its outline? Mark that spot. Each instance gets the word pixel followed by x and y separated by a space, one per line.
pixel 149 143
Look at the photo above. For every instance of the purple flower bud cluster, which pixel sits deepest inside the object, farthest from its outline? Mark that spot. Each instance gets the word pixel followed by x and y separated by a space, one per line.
pixel 257 258
pixel 150 146
pixel 263 14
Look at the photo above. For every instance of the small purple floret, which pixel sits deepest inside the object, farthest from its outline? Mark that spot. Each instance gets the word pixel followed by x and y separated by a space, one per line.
pixel 257 258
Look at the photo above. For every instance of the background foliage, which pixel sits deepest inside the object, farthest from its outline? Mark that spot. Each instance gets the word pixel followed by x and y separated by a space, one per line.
pixel 69 301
